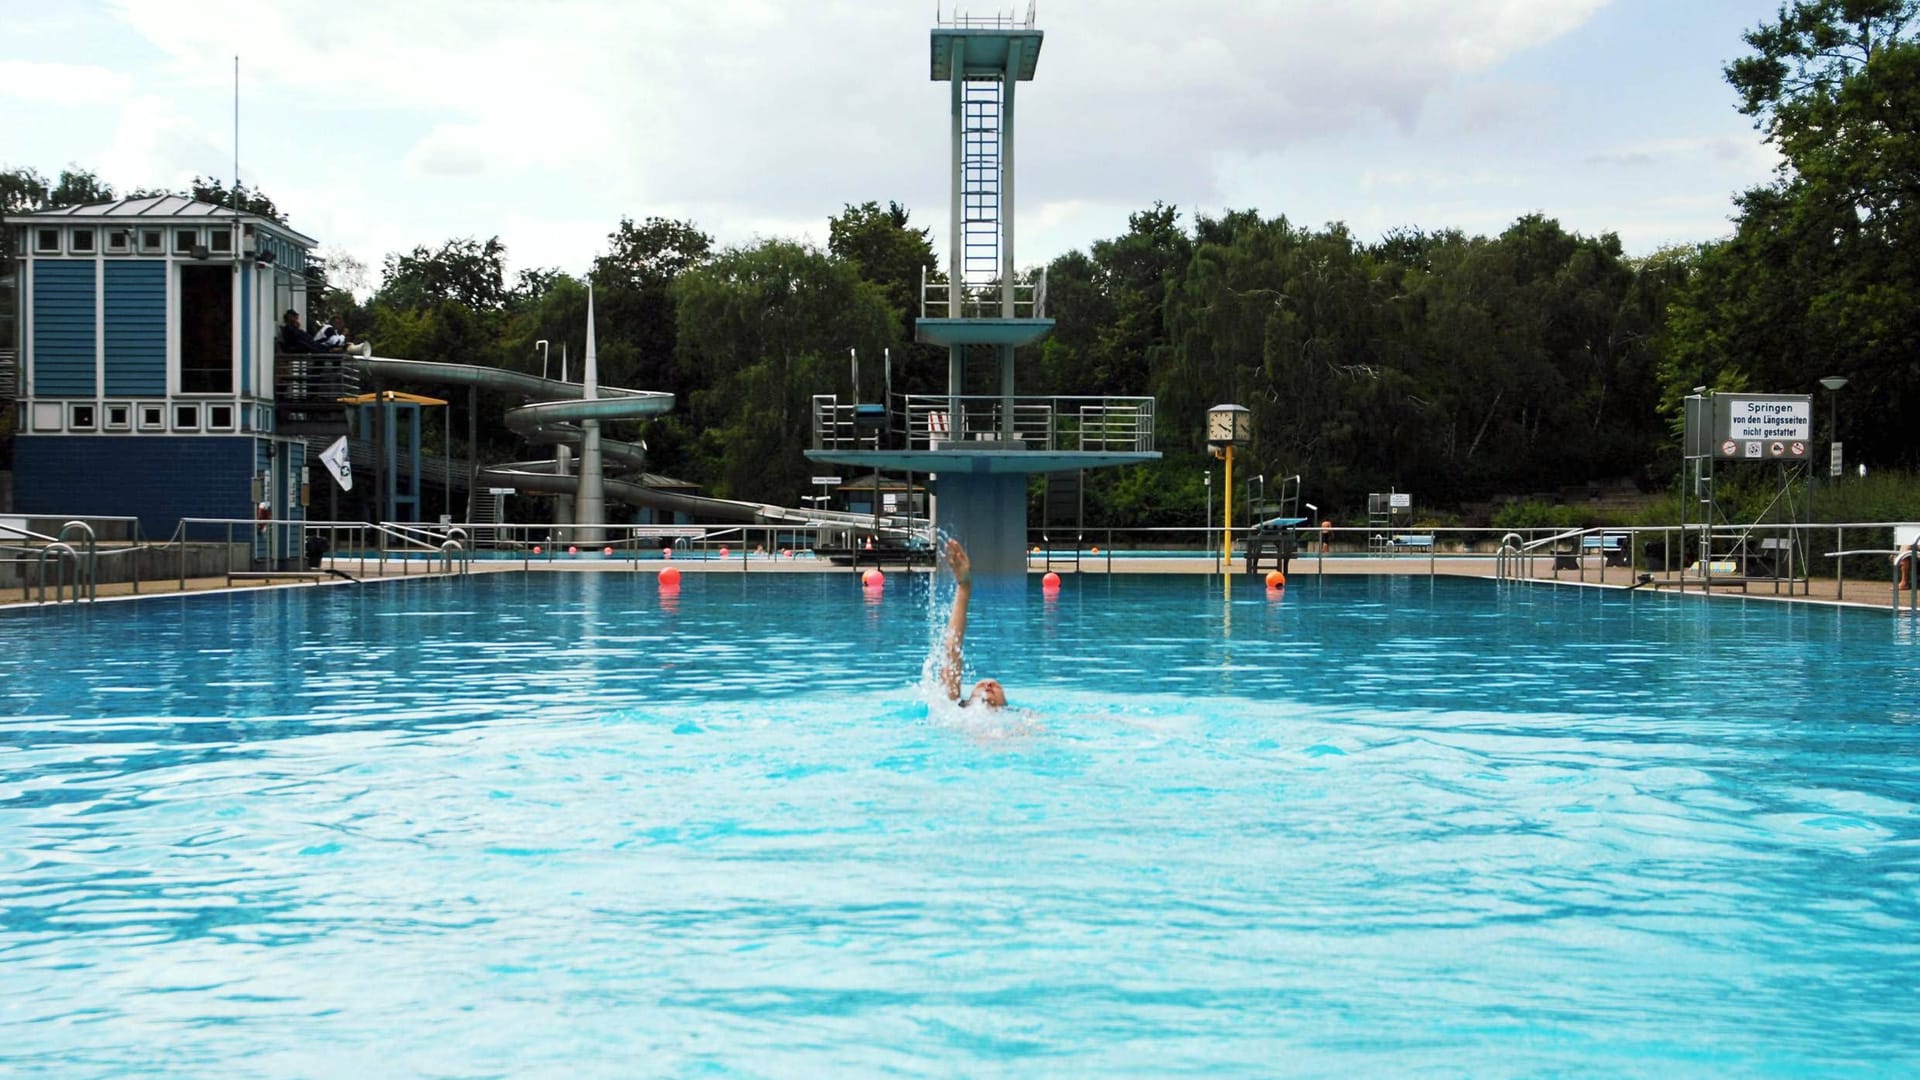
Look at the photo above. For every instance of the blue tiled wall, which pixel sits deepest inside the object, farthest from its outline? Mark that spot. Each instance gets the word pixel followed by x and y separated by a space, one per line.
pixel 63 327
pixel 136 328
pixel 158 479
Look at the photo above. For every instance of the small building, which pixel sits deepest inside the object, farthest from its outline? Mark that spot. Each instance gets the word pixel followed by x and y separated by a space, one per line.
pixel 145 338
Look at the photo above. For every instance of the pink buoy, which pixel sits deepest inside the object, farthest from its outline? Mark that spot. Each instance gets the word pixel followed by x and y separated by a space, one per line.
pixel 873 579
pixel 607 551
pixel 786 553
pixel 723 553
pixel 572 550
pixel 666 553
pixel 536 549
pixel 1051 582
pixel 670 576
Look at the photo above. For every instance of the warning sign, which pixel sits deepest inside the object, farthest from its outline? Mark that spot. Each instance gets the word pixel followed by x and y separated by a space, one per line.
pixel 1763 426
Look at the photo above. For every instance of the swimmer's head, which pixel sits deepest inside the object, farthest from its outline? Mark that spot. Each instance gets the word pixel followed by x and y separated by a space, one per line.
pixel 988 691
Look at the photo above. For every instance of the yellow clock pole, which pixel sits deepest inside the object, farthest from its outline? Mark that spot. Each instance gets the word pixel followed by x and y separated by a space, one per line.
pixel 1226 515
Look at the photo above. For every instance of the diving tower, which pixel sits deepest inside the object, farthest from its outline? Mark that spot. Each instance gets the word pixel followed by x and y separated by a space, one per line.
pixel 982 442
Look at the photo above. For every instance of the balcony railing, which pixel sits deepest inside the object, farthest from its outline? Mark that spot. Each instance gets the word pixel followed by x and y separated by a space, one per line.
pixel 313 378
pixel 940 300
pixel 935 422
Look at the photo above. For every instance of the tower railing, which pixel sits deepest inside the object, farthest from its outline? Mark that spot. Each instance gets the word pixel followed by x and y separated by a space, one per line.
pixel 998 20
pixel 986 422
pixel 938 299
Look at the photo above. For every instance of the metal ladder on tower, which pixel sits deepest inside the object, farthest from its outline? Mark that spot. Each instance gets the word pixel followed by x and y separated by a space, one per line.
pixel 980 187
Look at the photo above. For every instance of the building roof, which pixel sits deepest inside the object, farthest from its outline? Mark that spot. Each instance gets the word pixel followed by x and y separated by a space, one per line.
pixel 151 207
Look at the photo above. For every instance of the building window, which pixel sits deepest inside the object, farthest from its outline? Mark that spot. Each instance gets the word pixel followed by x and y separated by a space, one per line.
pixel 46 416
pixel 206 330
pixel 153 418
pixel 151 242
pixel 220 241
pixel 119 241
pixel 80 416
pixel 219 417
pixel 46 241
pixel 81 242
pixel 119 415
pixel 186 418
pixel 185 240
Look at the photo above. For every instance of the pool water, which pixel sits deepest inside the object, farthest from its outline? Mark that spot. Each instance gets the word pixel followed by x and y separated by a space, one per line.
pixel 563 824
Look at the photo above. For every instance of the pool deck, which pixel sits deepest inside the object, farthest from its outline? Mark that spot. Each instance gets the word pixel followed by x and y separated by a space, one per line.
pixel 1858 593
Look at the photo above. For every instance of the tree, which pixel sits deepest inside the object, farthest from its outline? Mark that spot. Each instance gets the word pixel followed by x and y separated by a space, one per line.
pixel 465 271
pixel 251 200
pixel 1818 278
pixel 885 250
pixel 763 329
pixel 633 283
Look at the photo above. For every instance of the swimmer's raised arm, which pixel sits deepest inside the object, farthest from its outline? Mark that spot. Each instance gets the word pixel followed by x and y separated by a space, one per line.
pixel 957 620
pixel 987 690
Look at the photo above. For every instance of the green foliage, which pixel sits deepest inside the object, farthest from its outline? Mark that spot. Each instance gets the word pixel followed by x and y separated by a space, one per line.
pixel 467 272
pixel 1533 514
pixel 1819 278
pixel 251 200
pixel 633 284
pixel 762 329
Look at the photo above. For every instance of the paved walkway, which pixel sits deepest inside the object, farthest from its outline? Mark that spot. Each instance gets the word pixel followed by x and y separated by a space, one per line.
pixel 1818 590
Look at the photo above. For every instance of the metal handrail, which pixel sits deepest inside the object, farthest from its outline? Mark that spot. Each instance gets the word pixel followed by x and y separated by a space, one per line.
pixel 66 556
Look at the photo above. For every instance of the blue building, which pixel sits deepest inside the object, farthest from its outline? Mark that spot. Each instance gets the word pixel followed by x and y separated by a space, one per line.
pixel 145 337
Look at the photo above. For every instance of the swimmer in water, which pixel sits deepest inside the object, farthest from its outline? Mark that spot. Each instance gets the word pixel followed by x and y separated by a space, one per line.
pixel 987 690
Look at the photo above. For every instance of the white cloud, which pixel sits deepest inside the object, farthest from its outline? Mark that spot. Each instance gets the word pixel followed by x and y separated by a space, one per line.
pixel 451 150
pixel 383 125
pixel 61 84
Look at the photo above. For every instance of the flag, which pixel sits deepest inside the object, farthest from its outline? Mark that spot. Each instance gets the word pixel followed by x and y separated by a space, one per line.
pixel 337 461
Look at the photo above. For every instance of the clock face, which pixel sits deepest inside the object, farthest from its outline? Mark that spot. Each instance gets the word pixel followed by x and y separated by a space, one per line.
pixel 1220 427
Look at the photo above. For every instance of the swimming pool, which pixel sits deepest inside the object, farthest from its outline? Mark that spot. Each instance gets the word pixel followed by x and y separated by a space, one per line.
pixel 563 824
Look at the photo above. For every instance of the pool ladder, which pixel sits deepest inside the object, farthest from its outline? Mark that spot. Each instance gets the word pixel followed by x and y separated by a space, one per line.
pixel 72 567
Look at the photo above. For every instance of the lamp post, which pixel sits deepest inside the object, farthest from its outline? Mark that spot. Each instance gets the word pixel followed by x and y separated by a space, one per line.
pixel 1834 384
pixel 1228 426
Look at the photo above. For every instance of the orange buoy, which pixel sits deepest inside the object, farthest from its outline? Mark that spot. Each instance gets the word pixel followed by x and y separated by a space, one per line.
pixel 1276 580
pixel 670 576
pixel 873 579
pixel 1096 549
pixel 1051 582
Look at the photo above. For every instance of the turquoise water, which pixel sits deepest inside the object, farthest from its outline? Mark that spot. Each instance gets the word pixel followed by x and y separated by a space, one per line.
pixel 561 824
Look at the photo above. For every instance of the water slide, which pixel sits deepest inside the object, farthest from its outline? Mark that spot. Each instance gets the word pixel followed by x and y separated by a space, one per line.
pixel 553 418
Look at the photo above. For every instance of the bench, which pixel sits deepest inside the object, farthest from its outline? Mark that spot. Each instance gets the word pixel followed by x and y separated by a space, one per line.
pixel 1413 542
pixel 1611 547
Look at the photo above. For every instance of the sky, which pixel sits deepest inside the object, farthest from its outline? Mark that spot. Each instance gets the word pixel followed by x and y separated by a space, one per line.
pixel 378 125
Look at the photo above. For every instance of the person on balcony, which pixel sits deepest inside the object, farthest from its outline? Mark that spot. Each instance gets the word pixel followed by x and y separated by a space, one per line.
pixel 293 337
